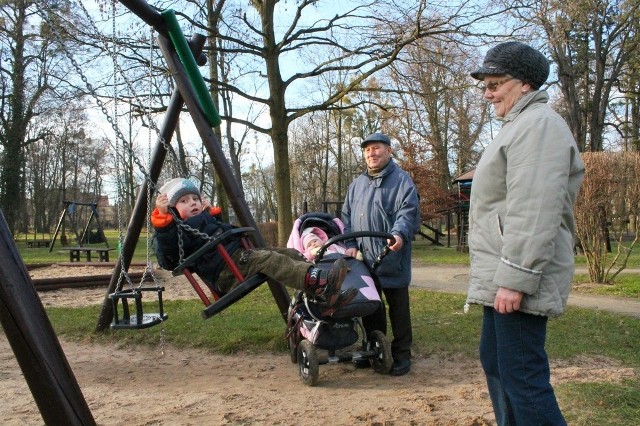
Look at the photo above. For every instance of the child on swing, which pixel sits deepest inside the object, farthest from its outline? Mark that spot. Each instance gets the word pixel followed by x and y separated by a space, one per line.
pixel 283 265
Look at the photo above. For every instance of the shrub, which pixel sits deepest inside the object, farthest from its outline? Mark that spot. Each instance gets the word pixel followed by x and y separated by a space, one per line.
pixel 269 231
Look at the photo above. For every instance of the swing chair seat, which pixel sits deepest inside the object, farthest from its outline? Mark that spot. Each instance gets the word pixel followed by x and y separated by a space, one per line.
pixel 139 319
pixel 233 296
pixel 210 245
pixel 245 285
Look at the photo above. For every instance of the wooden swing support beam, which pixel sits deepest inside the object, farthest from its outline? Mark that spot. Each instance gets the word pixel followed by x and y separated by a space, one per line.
pixel 34 342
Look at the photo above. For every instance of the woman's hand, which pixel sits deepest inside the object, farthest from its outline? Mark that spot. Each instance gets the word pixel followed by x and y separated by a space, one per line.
pixel 507 300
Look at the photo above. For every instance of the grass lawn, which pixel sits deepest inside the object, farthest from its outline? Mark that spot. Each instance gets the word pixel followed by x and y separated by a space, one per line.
pixel 43 255
pixel 254 325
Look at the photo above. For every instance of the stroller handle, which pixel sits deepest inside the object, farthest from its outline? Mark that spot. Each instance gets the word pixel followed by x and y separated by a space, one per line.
pixel 360 234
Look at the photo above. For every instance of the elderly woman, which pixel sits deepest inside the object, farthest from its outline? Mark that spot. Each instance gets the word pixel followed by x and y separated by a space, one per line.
pixel 521 234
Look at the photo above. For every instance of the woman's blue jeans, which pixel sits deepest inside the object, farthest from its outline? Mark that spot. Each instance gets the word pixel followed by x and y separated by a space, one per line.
pixel 517 369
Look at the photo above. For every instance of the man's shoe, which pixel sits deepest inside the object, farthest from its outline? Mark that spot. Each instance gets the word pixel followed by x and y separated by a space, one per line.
pixel 400 367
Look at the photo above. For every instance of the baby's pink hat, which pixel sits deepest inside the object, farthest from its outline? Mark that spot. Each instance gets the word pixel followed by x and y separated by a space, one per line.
pixel 312 233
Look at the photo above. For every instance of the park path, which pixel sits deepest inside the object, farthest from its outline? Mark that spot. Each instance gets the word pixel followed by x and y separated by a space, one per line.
pixel 455 278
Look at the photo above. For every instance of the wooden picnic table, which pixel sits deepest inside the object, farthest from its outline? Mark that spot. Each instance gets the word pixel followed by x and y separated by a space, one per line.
pixel 38 243
pixel 76 252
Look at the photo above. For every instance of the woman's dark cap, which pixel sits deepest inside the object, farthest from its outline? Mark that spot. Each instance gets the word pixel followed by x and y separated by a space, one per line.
pixel 516 59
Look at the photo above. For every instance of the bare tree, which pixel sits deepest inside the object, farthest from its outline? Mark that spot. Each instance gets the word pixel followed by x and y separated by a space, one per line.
pixel 590 41
pixel 260 191
pixel 67 164
pixel 362 38
pixel 439 111
pixel 310 161
pixel 608 208
pixel 627 112
pixel 27 58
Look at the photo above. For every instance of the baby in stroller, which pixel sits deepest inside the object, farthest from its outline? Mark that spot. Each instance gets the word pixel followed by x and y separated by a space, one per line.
pixel 312 230
pixel 313 239
pixel 307 329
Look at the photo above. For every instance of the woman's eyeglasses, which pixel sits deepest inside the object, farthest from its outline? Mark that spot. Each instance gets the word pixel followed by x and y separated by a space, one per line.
pixel 492 87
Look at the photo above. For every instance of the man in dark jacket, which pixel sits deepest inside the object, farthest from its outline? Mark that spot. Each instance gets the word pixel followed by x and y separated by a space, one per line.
pixel 385 199
pixel 285 266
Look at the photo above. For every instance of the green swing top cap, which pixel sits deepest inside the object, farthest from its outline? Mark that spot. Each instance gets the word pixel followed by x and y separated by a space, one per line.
pixel 189 62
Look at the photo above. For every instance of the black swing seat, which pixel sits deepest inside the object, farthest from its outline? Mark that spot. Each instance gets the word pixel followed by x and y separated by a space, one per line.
pixel 139 319
pixel 245 285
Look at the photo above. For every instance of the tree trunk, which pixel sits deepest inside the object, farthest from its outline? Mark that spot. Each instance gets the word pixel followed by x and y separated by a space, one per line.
pixel 213 14
pixel 279 121
pixel 12 167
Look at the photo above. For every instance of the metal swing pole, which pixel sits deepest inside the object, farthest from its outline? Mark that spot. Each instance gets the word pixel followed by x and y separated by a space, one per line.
pixel 139 213
pixel 148 14
pixel 34 343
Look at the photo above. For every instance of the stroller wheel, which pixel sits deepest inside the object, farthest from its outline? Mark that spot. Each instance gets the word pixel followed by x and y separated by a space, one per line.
pixel 308 363
pixel 382 360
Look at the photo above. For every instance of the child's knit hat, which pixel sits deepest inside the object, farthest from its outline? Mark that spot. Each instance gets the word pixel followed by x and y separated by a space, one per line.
pixel 178 187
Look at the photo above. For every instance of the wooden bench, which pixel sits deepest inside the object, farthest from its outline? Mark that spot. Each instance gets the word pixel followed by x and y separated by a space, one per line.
pixel 74 253
pixel 38 243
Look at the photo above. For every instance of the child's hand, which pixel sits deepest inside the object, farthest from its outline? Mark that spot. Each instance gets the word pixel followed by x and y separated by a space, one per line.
pixel 162 203
pixel 205 204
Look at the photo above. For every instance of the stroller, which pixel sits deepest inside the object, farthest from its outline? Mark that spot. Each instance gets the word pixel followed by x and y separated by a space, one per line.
pixel 307 330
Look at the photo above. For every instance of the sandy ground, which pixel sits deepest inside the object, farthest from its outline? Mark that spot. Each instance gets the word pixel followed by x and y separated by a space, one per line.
pixel 177 386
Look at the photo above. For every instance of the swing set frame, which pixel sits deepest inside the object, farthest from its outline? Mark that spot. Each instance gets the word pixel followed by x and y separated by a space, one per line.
pixel 69 211
pixel 190 92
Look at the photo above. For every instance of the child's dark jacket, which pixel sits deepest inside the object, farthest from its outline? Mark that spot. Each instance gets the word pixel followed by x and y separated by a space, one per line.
pixel 166 240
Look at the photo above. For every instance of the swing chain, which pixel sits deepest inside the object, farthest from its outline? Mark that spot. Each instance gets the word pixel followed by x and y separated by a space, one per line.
pixel 182 225
pixel 101 104
pixel 119 184
pixel 180 245
pixel 153 186
pixel 116 129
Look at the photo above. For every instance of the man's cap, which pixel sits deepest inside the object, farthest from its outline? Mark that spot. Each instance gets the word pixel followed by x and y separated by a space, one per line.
pixel 178 187
pixel 516 59
pixel 376 137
